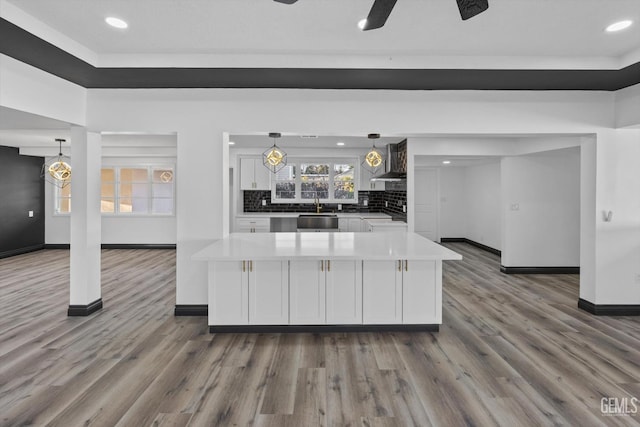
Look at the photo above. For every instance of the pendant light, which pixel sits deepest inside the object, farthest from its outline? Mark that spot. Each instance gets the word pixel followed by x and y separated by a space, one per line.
pixel 274 158
pixel 373 159
pixel 57 171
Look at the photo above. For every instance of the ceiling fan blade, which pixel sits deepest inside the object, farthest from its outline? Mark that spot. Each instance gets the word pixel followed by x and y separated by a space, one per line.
pixel 286 1
pixel 378 14
pixel 471 8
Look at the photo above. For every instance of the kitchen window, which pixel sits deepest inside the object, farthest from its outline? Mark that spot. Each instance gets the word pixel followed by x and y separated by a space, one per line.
pixel 139 190
pixel 329 181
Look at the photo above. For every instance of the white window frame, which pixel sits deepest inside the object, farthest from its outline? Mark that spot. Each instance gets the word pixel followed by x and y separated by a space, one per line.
pixel 331 161
pixel 149 213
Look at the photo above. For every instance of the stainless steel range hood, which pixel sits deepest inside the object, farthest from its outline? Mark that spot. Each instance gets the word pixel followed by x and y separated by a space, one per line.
pixel 396 163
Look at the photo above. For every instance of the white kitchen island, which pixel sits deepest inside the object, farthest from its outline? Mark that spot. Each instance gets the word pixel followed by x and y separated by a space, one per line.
pixel 324 281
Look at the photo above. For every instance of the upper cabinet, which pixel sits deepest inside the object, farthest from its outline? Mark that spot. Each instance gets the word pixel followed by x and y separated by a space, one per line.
pixel 253 174
pixel 365 181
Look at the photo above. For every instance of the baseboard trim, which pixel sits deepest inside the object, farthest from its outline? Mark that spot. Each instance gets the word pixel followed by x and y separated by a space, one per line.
pixel 20 251
pixel 57 246
pixel 138 246
pixel 609 309
pixel 191 310
pixel 540 270
pixel 85 310
pixel 321 328
pixel 472 243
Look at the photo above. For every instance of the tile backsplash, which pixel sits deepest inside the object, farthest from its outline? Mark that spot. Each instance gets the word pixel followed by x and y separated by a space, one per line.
pixel 375 203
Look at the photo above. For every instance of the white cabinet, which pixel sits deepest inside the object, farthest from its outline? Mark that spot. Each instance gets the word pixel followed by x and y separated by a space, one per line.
pixel 343 224
pixel 307 292
pixel 381 292
pixel 402 292
pixel 248 292
pixel 253 225
pixel 365 181
pixel 254 175
pixel 421 301
pixel 228 293
pixel 344 292
pixel 268 292
pixel 325 292
pixel 354 224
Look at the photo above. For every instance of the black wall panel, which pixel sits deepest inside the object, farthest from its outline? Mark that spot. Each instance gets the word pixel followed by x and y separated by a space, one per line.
pixel 21 191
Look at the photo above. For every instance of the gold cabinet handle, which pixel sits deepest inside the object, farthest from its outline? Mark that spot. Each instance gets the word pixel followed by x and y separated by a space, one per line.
pixel 399 265
pixel 250 266
pixel 321 265
pixel 244 266
pixel 406 265
pixel 328 265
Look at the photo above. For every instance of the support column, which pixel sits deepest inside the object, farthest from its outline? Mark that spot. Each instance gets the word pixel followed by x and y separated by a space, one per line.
pixel 85 296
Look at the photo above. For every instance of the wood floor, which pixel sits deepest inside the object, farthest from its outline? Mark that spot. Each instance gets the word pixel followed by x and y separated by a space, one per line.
pixel 512 351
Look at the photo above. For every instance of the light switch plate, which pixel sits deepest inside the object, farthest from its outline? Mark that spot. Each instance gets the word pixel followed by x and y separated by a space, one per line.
pixel 366 202
pixel 339 207
pixel 404 208
pixel 264 202
pixel 30 214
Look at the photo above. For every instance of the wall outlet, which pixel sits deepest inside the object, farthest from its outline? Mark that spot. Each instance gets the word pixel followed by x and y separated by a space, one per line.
pixel 339 207
pixel 515 206
pixel 365 202
pixel 386 204
pixel 404 208
pixel 264 202
pixel 30 214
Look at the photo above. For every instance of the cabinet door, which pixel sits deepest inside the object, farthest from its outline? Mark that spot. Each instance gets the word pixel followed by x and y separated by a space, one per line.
pixel 262 176
pixel 228 293
pixel 247 174
pixel 307 292
pixel 344 292
pixel 268 293
pixel 381 292
pixel 355 224
pixel 421 292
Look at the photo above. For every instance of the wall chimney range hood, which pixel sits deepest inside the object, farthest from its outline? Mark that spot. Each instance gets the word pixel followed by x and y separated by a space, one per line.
pixel 395 164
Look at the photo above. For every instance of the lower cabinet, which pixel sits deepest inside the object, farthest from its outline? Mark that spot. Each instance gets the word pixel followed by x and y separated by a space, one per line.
pixel 320 292
pixel 401 291
pixel 325 292
pixel 248 293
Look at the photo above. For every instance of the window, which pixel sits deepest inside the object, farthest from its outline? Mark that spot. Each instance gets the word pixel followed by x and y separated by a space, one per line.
pixel 330 181
pixel 130 191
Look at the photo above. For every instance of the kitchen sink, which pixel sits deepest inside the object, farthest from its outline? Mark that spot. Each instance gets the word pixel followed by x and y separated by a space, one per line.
pixel 318 222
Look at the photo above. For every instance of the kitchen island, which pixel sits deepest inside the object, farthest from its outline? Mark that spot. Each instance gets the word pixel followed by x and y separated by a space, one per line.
pixel 324 282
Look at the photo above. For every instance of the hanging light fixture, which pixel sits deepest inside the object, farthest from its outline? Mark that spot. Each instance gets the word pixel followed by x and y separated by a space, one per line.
pixel 373 159
pixel 274 158
pixel 57 171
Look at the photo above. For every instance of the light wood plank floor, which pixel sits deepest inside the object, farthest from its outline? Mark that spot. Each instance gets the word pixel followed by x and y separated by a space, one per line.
pixel 513 351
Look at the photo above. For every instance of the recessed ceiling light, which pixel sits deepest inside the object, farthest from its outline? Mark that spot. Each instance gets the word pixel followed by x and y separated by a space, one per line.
pixel 618 26
pixel 446 162
pixel 362 23
pixel 232 143
pixel 340 143
pixel 116 22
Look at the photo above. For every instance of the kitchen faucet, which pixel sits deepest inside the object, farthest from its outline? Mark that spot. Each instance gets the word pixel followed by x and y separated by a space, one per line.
pixel 316 200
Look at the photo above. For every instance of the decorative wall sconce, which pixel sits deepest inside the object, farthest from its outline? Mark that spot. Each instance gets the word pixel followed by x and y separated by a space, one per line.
pixel 274 158
pixel 57 171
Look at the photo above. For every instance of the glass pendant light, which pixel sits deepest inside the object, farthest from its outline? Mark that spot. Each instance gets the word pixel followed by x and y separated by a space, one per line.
pixel 373 159
pixel 57 171
pixel 274 158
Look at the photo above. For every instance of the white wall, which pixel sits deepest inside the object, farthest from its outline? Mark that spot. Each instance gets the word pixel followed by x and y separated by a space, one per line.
pixel 29 89
pixel 541 209
pixel 482 184
pixel 627 107
pixel 453 202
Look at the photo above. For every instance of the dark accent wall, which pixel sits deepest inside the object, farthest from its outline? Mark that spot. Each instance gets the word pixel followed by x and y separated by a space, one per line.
pixel 21 191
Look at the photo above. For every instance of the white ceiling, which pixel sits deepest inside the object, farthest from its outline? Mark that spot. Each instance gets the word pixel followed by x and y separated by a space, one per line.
pixel 422 32
pixel 320 141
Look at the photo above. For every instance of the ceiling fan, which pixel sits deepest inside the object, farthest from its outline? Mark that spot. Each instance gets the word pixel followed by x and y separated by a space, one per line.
pixel 381 10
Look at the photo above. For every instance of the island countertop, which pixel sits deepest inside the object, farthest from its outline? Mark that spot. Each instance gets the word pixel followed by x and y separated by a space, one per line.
pixel 325 245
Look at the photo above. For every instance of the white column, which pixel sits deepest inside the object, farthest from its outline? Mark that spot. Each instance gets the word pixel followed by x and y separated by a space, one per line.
pixel 85 291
